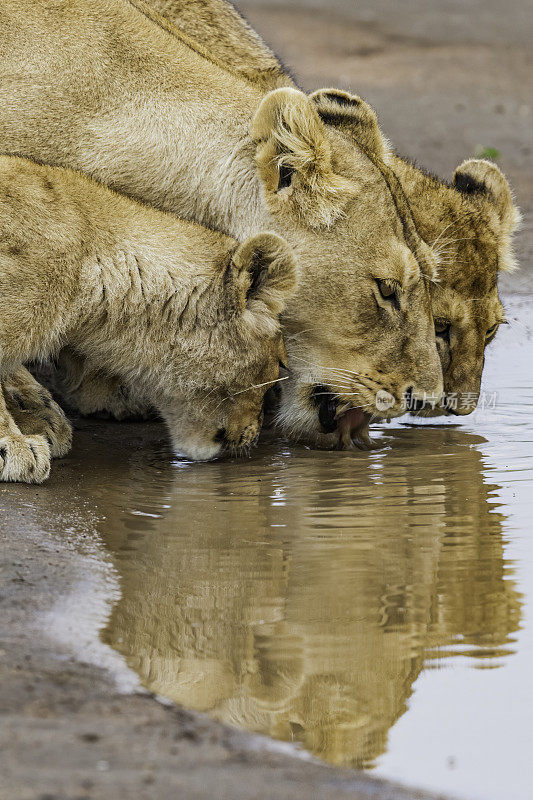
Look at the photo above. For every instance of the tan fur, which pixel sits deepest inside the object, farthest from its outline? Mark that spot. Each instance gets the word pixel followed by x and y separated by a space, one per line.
pixel 183 314
pixel 472 229
pixel 22 457
pixel 131 101
pixel 203 20
pixel 470 224
pixel 290 135
pixel 36 413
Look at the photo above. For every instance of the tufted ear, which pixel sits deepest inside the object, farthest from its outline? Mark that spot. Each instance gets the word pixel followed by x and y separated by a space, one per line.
pixel 266 272
pixel 294 160
pixel 350 112
pixel 477 176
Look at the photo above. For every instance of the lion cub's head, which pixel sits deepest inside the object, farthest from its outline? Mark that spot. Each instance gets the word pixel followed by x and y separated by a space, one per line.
pixel 359 332
pixel 234 354
pixel 470 225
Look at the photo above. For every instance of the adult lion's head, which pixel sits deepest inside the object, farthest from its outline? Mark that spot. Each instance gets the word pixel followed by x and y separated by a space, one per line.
pixel 359 331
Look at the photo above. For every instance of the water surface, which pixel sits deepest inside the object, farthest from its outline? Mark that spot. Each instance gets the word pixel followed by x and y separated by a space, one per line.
pixel 373 608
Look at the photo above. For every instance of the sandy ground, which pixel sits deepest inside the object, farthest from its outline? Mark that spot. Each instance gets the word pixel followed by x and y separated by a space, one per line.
pixel 446 77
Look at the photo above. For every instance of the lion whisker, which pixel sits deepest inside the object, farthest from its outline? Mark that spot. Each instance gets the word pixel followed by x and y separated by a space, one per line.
pixel 344 393
pixel 260 385
pixel 346 373
pixel 452 223
pixel 249 388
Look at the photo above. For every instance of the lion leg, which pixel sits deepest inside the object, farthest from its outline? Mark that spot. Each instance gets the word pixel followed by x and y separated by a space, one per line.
pixel 91 392
pixel 22 458
pixel 36 413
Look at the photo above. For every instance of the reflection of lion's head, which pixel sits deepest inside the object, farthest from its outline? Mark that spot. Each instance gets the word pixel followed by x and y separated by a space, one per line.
pixel 360 326
pixel 303 605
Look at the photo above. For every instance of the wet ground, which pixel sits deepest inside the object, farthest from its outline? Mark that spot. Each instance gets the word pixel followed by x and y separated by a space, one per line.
pixel 373 609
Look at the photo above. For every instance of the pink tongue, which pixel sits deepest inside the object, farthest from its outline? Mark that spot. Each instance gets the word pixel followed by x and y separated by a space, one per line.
pixel 352 420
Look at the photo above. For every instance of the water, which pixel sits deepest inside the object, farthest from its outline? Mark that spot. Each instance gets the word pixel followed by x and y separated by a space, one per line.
pixel 373 608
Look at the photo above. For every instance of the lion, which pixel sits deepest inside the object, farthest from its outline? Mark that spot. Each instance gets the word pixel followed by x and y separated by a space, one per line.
pixel 113 90
pixel 183 313
pixel 470 222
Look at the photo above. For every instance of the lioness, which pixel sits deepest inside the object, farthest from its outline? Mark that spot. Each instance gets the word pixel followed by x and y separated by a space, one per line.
pixel 112 89
pixel 183 313
pixel 469 223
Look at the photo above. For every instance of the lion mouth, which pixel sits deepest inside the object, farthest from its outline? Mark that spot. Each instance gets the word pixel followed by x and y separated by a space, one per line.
pixel 351 425
pixel 326 402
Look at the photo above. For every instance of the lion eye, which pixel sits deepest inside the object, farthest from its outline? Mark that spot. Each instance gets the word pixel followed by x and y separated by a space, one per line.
pixel 386 290
pixel 442 328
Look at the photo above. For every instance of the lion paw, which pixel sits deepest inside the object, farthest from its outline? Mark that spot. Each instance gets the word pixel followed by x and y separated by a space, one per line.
pixel 46 420
pixel 25 459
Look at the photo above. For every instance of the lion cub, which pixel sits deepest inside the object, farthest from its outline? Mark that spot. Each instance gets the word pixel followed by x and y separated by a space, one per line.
pixel 184 314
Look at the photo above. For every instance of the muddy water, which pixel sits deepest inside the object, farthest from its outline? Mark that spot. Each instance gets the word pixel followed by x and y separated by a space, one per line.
pixel 373 608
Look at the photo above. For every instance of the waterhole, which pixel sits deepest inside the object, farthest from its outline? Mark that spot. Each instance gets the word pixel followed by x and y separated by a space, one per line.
pixel 373 608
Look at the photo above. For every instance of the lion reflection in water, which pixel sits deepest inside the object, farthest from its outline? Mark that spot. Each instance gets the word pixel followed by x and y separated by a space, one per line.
pixel 315 631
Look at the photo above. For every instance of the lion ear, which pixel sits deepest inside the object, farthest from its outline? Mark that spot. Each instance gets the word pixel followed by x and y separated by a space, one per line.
pixel 294 160
pixel 477 176
pixel 350 112
pixel 483 178
pixel 265 272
